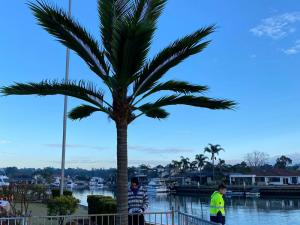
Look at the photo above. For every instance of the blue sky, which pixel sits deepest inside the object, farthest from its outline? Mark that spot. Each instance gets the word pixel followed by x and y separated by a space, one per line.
pixel 253 59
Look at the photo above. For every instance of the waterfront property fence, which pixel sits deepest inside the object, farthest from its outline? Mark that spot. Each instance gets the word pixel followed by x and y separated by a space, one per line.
pixel 187 219
pixel 150 218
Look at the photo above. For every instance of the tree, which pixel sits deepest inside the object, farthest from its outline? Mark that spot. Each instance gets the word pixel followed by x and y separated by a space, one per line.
pixel 221 165
pixel 62 206
pixel 127 28
pixel 194 165
pixel 256 159
pixel 282 162
pixel 213 150
pixel 185 163
pixel 201 160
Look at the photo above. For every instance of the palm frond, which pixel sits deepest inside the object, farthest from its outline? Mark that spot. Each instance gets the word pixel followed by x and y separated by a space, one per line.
pixel 170 57
pixel 72 35
pixel 83 111
pixel 176 86
pixel 156 113
pixel 132 39
pixel 81 90
pixel 109 12
pixel 190 100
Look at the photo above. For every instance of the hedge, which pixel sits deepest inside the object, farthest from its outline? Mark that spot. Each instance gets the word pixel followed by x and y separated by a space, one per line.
pixel 99 204
pixel 56 193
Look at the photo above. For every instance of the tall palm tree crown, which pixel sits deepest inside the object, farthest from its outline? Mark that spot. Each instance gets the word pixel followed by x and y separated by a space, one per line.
pixel 213 150
pixel 119 59
pixel 201 159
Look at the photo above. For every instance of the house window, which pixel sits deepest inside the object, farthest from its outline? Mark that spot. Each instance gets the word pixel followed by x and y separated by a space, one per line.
pixel 294 180
pixel 260 179
pixel 274 179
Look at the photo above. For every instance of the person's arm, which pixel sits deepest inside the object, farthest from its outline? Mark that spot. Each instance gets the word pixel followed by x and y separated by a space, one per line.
pixel 145 201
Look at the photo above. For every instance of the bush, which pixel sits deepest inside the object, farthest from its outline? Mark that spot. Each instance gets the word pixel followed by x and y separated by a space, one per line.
pixel 98 204
pixel 62 205
pixel 56 193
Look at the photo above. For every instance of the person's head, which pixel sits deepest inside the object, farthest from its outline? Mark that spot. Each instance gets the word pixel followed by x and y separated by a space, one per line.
pixel 134 182
pixel 222 189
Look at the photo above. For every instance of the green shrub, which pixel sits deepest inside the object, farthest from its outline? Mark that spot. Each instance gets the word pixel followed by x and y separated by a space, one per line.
pixel 62 205
pixel 99 204
pixel 56 193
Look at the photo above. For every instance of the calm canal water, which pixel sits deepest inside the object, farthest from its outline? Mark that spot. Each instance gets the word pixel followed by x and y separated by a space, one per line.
pixel 239 211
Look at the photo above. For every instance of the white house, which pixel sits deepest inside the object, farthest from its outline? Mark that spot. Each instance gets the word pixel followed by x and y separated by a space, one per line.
pixel 266 177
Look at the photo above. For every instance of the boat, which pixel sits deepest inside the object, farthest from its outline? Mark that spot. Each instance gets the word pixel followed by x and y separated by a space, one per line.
pixel 56 183
pixel 80 185
pixel 230 193
pixel 4 181
pixel 157 185
pixel 252 194
pixel 96 182
pixel 70 184
pixel 143 179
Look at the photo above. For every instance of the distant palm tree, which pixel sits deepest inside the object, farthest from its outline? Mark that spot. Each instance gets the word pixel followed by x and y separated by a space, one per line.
pixel 221 165
pixel 176 165
pixel 185 163
pixel 121 64
pixel 193 165
pixel 201 160
pixel 213 150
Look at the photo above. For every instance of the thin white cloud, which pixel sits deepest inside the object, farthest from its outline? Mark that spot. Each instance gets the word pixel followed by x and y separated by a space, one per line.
pixel 295 49
pixel 278 26
pixel 77 146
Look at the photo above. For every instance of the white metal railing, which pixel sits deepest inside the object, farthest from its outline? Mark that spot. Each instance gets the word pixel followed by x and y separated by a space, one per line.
pixel 148 218
pixel 187 219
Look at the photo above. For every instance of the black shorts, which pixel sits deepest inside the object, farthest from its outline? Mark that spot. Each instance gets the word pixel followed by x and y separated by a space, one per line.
pixel 218 219
pixel 136 219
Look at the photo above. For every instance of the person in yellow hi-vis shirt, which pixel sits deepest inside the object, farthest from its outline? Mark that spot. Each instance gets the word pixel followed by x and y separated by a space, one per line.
pixel 217 209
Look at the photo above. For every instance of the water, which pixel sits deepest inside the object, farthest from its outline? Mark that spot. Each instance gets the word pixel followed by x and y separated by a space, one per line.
pixel 239 211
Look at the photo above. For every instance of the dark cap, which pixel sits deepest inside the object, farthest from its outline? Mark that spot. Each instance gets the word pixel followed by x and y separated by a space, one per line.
pixel 135 180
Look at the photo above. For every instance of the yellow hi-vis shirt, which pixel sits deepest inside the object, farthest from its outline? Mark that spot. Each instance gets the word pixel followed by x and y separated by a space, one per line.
pixel 217 204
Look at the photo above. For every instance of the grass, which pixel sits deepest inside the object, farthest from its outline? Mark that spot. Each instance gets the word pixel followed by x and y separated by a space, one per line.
pixel 39 209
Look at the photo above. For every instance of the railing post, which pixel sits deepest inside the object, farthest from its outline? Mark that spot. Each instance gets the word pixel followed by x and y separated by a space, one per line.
pixel 178 215
pixel 173 216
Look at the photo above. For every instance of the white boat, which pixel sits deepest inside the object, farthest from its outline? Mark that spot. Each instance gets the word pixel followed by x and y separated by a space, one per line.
pixel 157 185
pixel 70 184
pixel 56 183
pixel 252 194
pixel 81 185
pixel 96 182
pixel 4 181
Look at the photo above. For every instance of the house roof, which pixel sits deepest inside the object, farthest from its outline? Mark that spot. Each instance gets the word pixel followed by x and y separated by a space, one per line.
pixel 276 172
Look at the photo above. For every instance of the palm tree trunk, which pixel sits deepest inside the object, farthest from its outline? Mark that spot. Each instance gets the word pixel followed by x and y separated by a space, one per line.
pixel 122 174
pixel 200 176
pixel 213 162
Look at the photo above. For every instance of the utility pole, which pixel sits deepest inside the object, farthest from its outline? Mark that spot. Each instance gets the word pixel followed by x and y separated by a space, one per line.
pixel 63 152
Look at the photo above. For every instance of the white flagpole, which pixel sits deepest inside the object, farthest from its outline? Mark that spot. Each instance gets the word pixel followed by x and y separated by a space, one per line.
pixel 63 152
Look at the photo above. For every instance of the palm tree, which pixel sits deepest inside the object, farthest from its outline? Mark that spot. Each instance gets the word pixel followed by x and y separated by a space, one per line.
pixel 120 62
pixel 185 163
pixel 176 165
pixel 193 165
pixel 201 160
pixel 213 150
pixel 221 165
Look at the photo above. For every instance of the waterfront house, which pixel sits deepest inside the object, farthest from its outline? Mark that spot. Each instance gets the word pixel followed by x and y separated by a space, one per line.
pixel 266 177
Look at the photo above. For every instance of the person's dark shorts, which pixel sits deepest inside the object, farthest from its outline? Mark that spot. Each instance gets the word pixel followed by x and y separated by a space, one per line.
pixel 136 219
pixel 218 219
